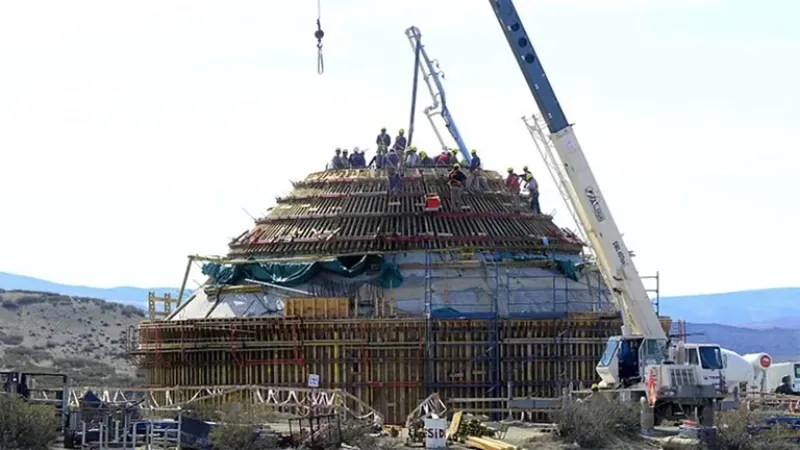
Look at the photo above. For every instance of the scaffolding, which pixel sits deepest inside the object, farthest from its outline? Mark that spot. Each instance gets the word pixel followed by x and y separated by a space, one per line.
pixel 159 307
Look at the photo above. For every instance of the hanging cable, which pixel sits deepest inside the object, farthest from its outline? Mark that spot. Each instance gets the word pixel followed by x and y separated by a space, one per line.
pixel 319 34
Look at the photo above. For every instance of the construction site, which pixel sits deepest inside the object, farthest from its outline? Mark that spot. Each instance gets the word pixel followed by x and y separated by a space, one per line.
pixel 341 287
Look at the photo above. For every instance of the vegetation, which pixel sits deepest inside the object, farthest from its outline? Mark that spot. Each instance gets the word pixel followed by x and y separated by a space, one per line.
pixel 598 424
pixel 81 337
pixel 239 430
pixel 26 426
pixel 739 430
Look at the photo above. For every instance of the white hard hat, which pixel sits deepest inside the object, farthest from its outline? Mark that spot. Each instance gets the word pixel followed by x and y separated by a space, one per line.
pixel 356 150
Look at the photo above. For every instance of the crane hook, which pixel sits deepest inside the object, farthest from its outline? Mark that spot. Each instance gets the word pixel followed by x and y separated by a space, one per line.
pixel 319 34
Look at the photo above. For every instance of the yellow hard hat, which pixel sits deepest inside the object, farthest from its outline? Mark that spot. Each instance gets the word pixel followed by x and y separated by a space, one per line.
pixel 510 169
pixel 528 176
pixel 401 131
pixel 474 152
pixel 595 387
pixel 453 151
pixel 423 154
pixel 456 166
pixel 412 149
pixel 524 168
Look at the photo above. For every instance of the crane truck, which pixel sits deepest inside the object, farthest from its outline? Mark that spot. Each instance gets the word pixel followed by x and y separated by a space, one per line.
pixel 638 364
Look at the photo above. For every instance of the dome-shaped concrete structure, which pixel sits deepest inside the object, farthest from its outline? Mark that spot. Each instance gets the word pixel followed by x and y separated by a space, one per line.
pixel 388 299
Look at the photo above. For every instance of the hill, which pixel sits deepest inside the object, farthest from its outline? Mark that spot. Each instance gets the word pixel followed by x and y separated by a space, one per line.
pixel 781 343
pixel 81 337
pixel 761 308
pixel 124 294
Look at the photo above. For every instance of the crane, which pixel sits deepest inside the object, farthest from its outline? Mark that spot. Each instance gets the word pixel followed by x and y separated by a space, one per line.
pixel 432 76
pixel 644 346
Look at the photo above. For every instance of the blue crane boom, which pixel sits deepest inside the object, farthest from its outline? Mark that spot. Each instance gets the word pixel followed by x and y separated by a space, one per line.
pixel 530 65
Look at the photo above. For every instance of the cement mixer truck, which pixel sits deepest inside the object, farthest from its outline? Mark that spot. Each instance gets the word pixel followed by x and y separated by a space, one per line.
pixel 748 372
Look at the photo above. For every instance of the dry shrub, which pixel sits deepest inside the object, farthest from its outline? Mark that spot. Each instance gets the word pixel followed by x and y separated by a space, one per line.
pixel 597 423
pixel 241 430
pixel 359 434
pixel 738 430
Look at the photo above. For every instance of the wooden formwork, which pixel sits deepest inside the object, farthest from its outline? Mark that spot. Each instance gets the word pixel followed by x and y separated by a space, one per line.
pixel 386 363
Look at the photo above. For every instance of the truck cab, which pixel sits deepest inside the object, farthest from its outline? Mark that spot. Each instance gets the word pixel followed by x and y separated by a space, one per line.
pixel 625 358
pixel 707 357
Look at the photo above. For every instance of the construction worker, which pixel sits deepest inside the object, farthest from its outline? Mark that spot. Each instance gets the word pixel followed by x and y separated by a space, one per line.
pixel 383 139
pixel 453 155
pixel 456 182
pixel 785 387
pixel 443 159
pixel 476 183
pixel 512 183
pixel 400 143
pixel 412 158
pixel 383 142
pixel 345 159
pixel 336 162
pixel 425 160
pixel 525 172
pixel 392 166
pixel 533 190
pixel 357 160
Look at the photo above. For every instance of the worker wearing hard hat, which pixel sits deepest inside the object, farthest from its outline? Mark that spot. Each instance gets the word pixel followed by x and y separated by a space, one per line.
pixel 456 181
pixel 412 158
pixel 336 163
pixel 345 159
pixel 453 156
pixel 425 160
pixel 476 183
pixel 533 191
pixel 443 159
pixel 383 141
pixel 512 183
pixel 400 143
pixel 357 159
pixel 595 396
pixel 392 165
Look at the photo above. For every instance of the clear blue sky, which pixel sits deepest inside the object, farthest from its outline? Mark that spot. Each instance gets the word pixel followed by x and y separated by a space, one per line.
pixel 133 133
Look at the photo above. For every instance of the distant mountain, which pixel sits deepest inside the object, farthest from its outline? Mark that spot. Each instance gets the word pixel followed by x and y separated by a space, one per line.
pixel 781 343
pixel 126 295
pixel 764 308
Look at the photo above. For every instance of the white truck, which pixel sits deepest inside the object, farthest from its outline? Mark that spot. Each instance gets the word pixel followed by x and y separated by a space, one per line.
pixel 777 371
pixel 747 372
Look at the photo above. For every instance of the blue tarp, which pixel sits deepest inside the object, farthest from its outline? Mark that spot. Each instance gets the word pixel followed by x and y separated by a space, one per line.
pixel 568 268
pixel 296 273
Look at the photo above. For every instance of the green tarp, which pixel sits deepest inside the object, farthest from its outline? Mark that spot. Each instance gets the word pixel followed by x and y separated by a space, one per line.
pixel 567 268
pixel 296 273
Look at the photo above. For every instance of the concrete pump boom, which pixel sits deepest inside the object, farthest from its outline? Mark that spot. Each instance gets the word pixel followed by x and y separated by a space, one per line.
pixel 613 258
pixel 432 75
